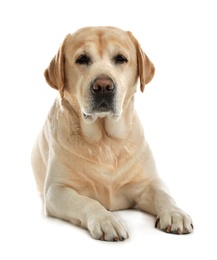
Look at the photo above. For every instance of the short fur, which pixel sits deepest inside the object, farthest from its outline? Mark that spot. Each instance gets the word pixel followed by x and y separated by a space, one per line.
pixel 89 160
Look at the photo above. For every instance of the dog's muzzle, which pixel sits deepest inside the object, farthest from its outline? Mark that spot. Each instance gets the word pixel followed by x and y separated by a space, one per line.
pixel 102 95
pixel 102 98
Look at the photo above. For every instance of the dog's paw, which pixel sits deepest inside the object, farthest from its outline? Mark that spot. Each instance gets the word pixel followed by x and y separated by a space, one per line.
pixel 174 221
pixel 107 227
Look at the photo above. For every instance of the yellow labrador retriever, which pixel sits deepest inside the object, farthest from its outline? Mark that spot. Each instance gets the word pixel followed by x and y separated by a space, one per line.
pixel 91 156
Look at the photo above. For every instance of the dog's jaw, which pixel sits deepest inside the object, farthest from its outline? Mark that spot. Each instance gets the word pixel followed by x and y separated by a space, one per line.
pixel 92 117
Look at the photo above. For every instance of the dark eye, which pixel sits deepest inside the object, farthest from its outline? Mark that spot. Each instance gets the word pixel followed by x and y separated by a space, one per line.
pixel 120 59
pixel 83 60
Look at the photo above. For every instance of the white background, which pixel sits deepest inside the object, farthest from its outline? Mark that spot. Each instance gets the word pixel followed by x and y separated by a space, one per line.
pixel 178 110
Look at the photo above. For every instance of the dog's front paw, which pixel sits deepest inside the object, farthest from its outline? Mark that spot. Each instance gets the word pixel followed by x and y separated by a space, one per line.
pixel 107 227
pixel 174 221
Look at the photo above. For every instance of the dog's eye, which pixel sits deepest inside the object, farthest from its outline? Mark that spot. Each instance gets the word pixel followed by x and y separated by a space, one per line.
pixel 83 60
pixel 120 59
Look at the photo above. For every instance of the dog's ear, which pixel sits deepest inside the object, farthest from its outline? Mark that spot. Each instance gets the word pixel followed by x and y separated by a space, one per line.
pixel 55 74
pixel 146 68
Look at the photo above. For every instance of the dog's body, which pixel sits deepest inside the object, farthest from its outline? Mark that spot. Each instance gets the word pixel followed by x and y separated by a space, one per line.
pixel 91 156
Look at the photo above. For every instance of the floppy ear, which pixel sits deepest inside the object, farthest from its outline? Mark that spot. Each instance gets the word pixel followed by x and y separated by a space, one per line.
pixel 54 74
pixel 146 68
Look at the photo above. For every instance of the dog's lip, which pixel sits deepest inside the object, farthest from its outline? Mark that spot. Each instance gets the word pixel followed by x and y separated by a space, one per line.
pixel 93 116
pixel 97 113
pixel 103 107
pixel 86 116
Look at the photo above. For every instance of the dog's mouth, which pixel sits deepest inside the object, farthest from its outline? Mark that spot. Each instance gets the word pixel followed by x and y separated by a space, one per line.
pixel 102 109
pixel 89 118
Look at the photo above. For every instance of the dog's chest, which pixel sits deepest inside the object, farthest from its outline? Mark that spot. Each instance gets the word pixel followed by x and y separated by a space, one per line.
pixel 112 200
pixel 108 178
pixel 110 154
pixel 105 155
pixel 111 195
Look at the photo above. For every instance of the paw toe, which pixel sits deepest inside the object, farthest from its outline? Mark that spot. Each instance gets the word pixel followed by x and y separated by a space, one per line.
pixel 108 228
pixel 175 222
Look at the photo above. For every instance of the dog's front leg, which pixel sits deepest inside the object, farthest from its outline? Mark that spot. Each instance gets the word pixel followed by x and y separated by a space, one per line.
pixel 157 201
pixel 65 203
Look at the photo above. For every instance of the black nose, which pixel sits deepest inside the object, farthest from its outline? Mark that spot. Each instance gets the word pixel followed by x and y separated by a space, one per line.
pixel 103 86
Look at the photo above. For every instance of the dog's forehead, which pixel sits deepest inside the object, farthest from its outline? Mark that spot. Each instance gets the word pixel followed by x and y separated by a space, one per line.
pixel 101 37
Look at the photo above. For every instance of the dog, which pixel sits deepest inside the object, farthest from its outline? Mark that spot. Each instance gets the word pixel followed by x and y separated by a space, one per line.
pixel 91 156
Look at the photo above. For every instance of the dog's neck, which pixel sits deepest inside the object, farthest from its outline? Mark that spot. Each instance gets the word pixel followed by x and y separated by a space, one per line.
pixel 104 127
pixel 109 127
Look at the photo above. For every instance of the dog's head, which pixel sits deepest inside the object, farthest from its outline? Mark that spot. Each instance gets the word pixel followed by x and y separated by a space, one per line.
pixel 96 69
